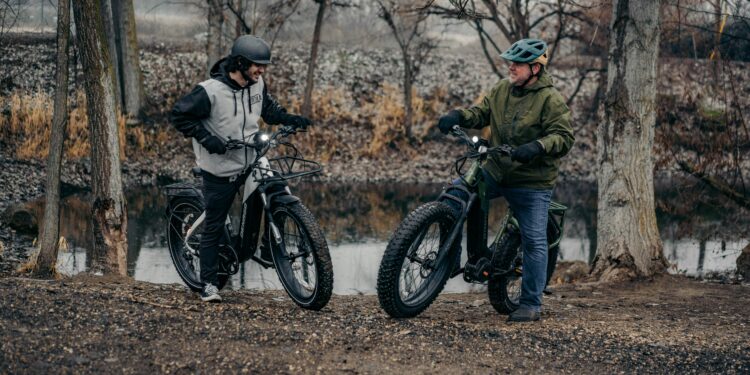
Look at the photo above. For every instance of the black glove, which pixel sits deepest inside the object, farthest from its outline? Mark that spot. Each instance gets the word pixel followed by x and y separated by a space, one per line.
pixel 297 121
pixel 213 144
pixel 526 152
pixel 448 121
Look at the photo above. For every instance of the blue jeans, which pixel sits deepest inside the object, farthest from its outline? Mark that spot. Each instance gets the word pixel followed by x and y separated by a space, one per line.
pixel 530 207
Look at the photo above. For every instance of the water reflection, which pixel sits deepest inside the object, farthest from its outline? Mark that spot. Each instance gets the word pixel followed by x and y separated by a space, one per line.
pixel 359 218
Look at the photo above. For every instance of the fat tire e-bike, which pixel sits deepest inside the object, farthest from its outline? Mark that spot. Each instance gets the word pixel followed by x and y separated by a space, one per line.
pixel 425 250
pixel 291 242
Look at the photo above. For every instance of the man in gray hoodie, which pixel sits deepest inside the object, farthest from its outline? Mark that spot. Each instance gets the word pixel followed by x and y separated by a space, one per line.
pixel 227 106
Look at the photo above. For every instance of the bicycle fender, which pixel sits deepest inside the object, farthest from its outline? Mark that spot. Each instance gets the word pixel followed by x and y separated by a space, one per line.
pixel 183 190
pixel 284 199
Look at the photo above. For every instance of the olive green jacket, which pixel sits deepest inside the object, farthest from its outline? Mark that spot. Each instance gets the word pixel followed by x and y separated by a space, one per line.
pixel 521 115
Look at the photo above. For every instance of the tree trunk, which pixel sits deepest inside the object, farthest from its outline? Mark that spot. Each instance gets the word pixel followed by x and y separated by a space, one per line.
pixel 110 31
pixel 132 80
pixel 408 81
pixel 307 109
pixel 701 255
pixel 109 216
pixel 239 28
pixel 214 50
pixel 48 243
pixel 628 237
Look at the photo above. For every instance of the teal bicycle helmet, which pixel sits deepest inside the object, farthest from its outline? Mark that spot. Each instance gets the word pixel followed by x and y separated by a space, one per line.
pixel 527 51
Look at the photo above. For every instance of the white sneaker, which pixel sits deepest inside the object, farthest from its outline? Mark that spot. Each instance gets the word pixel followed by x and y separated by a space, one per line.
pixel 210 293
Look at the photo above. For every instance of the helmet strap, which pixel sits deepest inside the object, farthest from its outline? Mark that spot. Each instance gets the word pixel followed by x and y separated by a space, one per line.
pixel 246 77
pixel 532 75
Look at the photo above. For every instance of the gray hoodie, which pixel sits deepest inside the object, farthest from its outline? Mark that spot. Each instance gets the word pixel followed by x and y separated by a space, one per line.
pixel 220 107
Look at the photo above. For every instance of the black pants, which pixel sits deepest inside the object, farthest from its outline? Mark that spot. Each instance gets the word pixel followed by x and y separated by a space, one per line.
pixel 218 195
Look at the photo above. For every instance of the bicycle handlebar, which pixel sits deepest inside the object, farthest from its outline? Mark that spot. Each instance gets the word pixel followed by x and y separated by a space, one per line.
pixel 478 147
pixel 261 140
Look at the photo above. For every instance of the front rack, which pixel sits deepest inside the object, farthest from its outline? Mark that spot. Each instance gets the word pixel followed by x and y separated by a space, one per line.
pixel 288 167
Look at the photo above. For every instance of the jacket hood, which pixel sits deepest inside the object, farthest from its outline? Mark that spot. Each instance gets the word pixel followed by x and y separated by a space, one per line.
pixel 219 72
pixel 545 80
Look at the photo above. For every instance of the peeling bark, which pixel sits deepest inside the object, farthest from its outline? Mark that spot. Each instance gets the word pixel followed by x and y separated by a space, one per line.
pixel 108 217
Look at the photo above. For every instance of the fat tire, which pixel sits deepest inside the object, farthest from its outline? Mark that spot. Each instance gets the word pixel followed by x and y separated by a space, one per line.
pixel 310 228
pixel 497 287
pixel 175 249
pixel 393 258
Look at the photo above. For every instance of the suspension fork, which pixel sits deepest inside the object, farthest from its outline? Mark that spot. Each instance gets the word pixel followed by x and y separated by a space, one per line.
pixel 457 228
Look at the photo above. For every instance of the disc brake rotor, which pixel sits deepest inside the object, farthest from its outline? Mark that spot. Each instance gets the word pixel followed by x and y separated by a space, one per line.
pixel 426 267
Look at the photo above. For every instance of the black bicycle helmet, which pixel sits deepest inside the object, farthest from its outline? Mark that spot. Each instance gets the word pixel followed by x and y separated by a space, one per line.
pixel 253 49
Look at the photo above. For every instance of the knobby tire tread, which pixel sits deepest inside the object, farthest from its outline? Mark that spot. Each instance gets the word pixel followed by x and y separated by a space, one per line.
pixel 199 208
pixel 322 256
pixel 395 253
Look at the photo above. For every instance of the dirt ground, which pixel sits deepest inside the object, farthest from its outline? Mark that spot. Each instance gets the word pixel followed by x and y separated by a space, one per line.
pixel 100 325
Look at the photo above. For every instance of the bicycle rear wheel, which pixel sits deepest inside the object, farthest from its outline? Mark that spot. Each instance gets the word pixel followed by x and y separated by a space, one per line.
pixel 183 249
pixel 504 285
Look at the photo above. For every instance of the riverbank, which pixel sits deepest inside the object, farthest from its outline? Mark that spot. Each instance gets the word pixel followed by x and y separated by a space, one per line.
pixel 93 325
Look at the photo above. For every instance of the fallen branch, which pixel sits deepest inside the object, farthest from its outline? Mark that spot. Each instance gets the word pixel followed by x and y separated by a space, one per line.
pixel 715 184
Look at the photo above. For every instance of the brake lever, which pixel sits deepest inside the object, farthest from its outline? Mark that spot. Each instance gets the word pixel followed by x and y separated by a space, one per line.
pixel 503 150
pixel 233 144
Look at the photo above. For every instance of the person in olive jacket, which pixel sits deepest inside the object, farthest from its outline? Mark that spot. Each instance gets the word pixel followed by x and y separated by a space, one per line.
pixel 528 113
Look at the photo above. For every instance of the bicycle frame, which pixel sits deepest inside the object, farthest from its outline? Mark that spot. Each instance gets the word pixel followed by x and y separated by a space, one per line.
pixel 262 189
pixel 475 210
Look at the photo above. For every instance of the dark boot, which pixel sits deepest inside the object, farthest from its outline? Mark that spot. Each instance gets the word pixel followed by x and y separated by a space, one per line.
pixel 523 314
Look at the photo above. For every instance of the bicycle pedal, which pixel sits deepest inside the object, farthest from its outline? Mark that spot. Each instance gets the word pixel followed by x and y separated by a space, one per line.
pixel 478 271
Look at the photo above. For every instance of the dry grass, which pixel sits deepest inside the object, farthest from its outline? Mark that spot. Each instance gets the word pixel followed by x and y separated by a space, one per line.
pixel 26 130
pixel 379 119
pixel 332 111
pixel 386 115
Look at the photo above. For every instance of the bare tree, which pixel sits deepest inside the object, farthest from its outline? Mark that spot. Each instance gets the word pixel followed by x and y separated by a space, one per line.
pixel 628 237
pixel 238 9
pixel 264 19
pixel 48 243
pixel 111 32
pixel 309 81
pixel 10 11
pixel 514 19
pixel 133 95
pixel 109 217
pixel 407 24
pixel 214 45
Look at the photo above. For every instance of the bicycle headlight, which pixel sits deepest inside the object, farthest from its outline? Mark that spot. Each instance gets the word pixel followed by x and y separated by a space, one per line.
pixel 474 139
pixel 260 139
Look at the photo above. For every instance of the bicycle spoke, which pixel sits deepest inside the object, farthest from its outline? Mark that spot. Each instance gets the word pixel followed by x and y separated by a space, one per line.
pixel 417 267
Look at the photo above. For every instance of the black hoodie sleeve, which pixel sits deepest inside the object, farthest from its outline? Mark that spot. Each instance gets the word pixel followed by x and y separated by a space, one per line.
pixel 273 113
pixel 188 112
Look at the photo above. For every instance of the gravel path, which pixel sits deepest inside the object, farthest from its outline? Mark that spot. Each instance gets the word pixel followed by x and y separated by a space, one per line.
pixel 100 325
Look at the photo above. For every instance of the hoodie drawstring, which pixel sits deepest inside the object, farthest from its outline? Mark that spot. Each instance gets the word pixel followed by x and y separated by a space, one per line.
pixel 234 95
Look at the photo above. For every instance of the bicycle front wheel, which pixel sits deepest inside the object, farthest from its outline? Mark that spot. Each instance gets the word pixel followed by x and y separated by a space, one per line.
pixel 302 259
pixel 409 278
